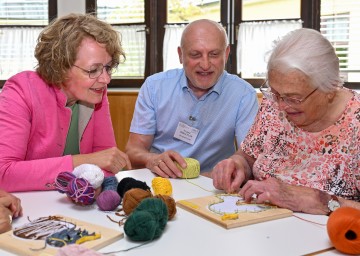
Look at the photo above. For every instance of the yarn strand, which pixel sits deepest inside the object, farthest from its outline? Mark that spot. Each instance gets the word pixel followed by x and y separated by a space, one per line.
pixel 128 249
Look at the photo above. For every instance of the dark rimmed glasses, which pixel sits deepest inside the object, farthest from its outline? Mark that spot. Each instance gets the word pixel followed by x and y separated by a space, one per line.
pixel 97 69
pixel 266 91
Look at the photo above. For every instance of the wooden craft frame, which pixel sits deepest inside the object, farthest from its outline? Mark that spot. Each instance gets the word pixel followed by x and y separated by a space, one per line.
pixel 199 206
pixel 21 246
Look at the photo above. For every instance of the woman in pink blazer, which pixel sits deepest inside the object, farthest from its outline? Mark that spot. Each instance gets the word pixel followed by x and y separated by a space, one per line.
pixel 57 118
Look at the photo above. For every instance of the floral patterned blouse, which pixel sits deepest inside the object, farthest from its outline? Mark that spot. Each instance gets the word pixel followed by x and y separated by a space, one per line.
pixel 328 160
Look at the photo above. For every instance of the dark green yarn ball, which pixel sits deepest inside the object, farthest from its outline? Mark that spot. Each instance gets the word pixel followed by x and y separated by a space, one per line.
pixel 141 226
pixel 147 221
pixel 157 207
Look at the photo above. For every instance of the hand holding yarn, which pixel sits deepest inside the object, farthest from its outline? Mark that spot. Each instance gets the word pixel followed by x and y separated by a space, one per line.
pixel 192 169
pixel 164 164
pixel 343 228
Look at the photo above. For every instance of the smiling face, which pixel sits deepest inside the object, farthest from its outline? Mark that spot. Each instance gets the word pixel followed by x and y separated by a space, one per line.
pixel 308 115
pixel 203 53
pixel 79 86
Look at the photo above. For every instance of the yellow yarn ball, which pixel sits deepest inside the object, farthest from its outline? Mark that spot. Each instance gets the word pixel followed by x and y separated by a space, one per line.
pixel 192 170
pixel 161 186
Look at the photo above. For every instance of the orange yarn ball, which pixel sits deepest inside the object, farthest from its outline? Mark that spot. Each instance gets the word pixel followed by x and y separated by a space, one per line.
pixel 133 197
pixel 343 228
pixel 170 203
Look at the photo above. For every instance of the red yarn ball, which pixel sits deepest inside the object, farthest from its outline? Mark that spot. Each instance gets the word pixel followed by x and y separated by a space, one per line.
pixel 108 200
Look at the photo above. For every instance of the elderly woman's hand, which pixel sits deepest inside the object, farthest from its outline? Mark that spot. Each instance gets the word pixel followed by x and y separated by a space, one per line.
pixel 276 192
pixel 228 175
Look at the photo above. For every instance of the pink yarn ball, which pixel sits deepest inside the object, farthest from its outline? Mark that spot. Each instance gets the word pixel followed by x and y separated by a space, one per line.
pixel 108 200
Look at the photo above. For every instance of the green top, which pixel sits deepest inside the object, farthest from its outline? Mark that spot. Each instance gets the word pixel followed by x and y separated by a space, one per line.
pixel 72 139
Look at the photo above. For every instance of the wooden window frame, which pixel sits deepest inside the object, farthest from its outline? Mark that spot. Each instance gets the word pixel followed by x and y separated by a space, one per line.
pixel 155 21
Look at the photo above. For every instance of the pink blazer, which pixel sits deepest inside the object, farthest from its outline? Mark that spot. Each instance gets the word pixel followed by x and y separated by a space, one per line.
pixel 33 127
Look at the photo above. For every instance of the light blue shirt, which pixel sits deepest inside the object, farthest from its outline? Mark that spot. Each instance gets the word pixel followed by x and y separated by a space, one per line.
pixel 226 111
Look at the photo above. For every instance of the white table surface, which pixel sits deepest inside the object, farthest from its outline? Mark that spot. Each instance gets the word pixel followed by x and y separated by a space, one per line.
pixel 188 234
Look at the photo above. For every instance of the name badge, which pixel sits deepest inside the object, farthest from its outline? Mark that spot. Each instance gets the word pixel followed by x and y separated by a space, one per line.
pixel 186 133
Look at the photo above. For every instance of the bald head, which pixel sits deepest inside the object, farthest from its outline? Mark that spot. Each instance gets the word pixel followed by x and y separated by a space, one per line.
pixel 198 27
pixel 203 52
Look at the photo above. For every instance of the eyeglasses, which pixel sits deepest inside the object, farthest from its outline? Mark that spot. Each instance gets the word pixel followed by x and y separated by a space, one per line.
pixel 97 69
pixel 266 91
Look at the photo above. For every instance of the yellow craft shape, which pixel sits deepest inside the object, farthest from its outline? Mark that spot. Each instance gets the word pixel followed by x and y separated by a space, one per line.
pixel 230 216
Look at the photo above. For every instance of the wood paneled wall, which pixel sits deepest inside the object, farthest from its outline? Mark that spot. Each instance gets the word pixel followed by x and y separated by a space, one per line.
pixel 121 108
pixel 122 105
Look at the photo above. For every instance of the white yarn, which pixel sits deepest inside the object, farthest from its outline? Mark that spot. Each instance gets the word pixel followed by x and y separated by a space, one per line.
pixel 90 172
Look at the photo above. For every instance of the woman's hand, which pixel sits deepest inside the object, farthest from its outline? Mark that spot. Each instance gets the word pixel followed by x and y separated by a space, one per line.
pixel 295 198
pixel 5 219
pixel 10 207
pixel 164 166
pixel 112 160
pixel 227 176
pixel 230 173
pixel 12 203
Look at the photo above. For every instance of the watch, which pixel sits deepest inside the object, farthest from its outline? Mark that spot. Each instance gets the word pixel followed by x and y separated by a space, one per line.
pixel 333 204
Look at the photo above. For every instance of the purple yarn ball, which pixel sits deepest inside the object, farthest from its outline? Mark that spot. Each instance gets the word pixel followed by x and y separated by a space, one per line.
pixel 62 181
pixel 108 200
pixel 81 191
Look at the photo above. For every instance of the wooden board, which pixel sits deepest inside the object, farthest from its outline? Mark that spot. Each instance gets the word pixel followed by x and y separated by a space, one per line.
pixel 20 246
pixel 200 207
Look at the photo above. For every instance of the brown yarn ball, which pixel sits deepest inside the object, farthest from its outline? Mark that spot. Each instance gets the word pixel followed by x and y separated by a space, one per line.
pixel 132 199
pixel 170 203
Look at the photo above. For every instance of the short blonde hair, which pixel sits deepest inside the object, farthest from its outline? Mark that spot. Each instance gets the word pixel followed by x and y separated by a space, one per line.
pixel 58 44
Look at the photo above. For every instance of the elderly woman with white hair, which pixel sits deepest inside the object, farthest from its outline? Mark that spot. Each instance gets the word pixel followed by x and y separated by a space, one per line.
pixel 302 152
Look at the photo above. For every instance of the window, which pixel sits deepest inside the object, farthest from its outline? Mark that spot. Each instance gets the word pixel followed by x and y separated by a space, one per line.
pixel 127 17
pixel 262 23
pixel 20 25
pixel 340 24
pixel 151 31
pixel 180 11
pixel 13 14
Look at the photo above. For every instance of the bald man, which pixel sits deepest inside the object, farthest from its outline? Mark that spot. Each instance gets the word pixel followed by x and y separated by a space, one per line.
pixel 198 111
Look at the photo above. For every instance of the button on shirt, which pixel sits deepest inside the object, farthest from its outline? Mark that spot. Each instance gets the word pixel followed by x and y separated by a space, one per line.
pixel 226 111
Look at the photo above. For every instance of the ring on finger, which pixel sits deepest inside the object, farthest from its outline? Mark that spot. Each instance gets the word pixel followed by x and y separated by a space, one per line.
pixel 10 218
pixel 159 162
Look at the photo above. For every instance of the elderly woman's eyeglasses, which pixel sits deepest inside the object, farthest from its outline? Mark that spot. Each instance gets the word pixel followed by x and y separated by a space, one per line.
pixel 97 69
pixel 266 91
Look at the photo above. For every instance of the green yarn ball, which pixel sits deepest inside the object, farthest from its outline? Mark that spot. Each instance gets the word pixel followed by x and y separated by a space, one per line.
pixel 157 207
pixel 147 221
pixel 141 226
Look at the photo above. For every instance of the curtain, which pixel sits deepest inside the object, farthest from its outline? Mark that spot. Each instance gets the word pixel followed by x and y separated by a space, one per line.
pixel 172 39
pixel 17 50
pixel 255 40
pixel 134 44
